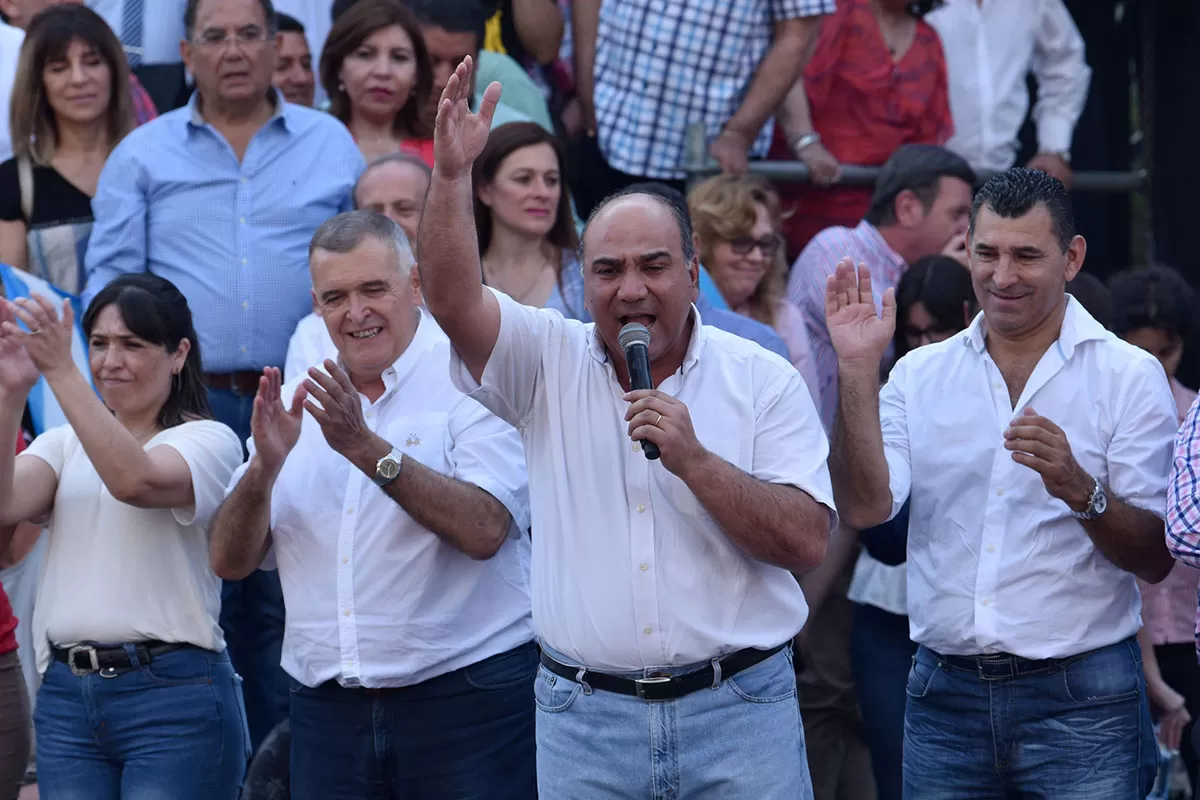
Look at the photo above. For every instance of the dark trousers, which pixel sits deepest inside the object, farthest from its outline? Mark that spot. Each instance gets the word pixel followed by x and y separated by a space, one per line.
pixel 16 731
pixel 593 179
pixel 466 734
pixel 252 609
pixel 882 654
pixel 1179 668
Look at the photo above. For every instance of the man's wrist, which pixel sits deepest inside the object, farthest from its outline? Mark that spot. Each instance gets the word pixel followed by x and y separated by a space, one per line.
pixel 366 454
pixel 696 467
pixel 1079 498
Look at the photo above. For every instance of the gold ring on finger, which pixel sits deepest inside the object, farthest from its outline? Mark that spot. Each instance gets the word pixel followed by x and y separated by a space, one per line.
pixel 658 420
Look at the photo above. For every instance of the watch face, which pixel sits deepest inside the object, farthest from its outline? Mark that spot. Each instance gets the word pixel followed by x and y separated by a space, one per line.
pixel 389 468
pixel 1099 503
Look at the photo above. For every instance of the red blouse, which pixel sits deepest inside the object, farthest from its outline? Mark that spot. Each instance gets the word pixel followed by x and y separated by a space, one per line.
pixel 864 105
pixel 8 623
pixel 419 147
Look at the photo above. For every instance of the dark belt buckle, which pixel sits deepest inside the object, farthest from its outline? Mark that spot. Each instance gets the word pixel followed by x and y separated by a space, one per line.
pixel 93 660
pixel 640 685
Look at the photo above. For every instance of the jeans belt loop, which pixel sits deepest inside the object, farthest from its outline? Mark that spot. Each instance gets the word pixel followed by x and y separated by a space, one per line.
pixel 716 668
pixel 580 678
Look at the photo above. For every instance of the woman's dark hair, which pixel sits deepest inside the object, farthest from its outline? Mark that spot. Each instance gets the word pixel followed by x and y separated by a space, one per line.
pixel 1152 297
pixel 502 142
pixel 942 285
pixel 156 312
pixel 349 32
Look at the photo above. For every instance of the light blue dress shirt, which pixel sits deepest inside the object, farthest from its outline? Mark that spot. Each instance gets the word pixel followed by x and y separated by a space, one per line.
pixel 173 200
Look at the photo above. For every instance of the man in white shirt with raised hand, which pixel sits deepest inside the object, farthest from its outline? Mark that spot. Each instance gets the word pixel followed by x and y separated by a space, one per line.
pixel 663 591
pixel 1034 448
pixel 395 510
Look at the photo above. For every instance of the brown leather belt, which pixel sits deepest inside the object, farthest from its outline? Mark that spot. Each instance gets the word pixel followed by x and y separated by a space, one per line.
pixel 245 382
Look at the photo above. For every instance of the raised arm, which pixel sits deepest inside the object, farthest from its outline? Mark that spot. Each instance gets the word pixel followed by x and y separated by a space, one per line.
pixel 117 245
pixel 27 485
pixel 857 462
pixel 451 274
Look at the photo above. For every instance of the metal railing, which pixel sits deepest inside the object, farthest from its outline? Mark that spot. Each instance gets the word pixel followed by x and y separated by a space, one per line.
pixel 698 164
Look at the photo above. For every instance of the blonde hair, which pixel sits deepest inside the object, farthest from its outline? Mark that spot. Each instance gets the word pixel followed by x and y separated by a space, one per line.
pixel 725 207
pixel 32 122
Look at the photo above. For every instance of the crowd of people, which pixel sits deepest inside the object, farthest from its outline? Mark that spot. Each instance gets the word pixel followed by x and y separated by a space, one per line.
pixel 329 469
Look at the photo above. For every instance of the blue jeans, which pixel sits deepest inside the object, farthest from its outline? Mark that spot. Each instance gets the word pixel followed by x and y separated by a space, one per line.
pixel 1078 732
pixel 175 730
pixel 252 611
pixel 882 655
pixel 465 735
pixel 739 740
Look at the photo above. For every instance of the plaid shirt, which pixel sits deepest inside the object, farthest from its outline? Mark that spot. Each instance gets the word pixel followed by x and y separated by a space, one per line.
pixel 1183 498
pixel 143 107
pixel 662 64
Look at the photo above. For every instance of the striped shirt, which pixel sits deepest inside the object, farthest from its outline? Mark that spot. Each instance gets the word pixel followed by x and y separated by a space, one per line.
pixel 174 200
pixel 806 288
pixel 662 64
pixel 1183 499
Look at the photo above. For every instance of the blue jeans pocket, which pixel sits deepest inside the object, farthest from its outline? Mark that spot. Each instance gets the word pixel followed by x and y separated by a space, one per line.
pixel 552 694
pixel 920 678
pixel 1110 675
pixel 504 670
pixel 180 668
pixel 769 681
pixel 240 697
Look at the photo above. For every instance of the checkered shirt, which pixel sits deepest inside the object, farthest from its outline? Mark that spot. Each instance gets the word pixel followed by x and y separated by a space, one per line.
pixel 1183 498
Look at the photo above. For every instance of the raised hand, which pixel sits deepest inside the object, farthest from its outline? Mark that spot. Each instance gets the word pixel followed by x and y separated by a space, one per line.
pixel 459 135
pixel 48 340
pixel 859 335
pixel 275 429
pixel 18 373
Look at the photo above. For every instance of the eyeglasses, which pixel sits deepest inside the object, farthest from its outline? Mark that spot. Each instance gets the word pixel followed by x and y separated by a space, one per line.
pixel 742 245
pixel 246 37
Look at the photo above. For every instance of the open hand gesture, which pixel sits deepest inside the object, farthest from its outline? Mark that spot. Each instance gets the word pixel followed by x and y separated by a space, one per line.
pixel 859 335
pixel 459 135
pixel 340 412
pixel 48 340
pixel 18 373
pixel 275 429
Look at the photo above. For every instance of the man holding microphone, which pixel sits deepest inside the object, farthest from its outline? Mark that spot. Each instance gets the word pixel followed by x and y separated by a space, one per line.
pixel 662 589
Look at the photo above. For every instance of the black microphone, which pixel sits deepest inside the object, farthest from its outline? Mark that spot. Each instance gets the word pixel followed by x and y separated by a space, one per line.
pixel 634 340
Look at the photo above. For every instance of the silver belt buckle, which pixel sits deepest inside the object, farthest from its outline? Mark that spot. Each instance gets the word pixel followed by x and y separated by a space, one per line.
pixel 83 648
pixel 640 684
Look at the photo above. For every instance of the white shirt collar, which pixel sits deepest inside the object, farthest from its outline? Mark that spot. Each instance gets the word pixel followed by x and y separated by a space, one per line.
pixel 1078 326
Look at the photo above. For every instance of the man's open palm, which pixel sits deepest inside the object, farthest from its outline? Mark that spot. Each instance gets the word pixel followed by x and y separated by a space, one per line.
pixel 459 135
pixel 857 332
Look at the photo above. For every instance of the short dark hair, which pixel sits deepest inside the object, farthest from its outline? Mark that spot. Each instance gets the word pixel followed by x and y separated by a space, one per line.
pixel 1014 193
pixel 917 168
pixel 286 23
pixel 1153 297
pixel 1094 296
pixel 453 16
pixel 672 199
pixel 193 6
pixel 942 285
pixel 502 142
pixel 415 119
pixel 155 311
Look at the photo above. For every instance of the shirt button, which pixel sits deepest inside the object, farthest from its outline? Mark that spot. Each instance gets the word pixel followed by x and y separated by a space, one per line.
pixel 349 511
pixel 646 630
pixel 643 567
pixel 244 262
pixel 243 348
pixel 1000 492
pixel 242 220
pixel 245 304
pixel 641 508
pixel 245 179
pixel 636 447
pixel 370 413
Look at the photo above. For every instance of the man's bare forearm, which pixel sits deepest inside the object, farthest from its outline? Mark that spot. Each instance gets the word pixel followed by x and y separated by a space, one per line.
pixel 585 27
pixel 461 514
pixel 857 463
pixel 779 70
pixel 794 115
pixel 451 275
pixel 241 530
pixel 1132 538
pixel 774 523
pixel 539 26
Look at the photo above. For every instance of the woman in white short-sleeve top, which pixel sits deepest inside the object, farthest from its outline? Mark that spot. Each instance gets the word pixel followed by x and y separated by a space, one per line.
pixel 138 696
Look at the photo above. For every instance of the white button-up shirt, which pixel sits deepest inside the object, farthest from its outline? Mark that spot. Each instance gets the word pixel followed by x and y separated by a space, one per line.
pixel 994 562
pixel 990 49
pixel 373 599
pixel 629 570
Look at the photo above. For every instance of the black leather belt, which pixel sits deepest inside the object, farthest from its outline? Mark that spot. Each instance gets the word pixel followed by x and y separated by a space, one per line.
pixel 662 687
pixel 84 659
pixel 1000 666
pixel 243 383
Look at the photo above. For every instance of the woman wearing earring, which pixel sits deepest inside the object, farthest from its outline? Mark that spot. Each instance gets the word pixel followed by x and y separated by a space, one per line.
pixel 138 697
pixel 375 68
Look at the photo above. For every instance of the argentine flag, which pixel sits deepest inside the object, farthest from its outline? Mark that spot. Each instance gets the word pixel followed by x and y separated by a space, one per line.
pixel 42 406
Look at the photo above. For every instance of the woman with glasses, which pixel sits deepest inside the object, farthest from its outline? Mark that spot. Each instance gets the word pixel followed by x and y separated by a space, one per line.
pixel 737 219
pixel 375 69
pixel 138 697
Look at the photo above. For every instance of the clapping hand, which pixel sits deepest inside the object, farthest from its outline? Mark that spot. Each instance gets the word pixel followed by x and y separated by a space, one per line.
pixel 275 429
pixel 18 373
pixel 859 335
pixel 340 412
pixel 48 340
pixel 459 135
pixel 1039 444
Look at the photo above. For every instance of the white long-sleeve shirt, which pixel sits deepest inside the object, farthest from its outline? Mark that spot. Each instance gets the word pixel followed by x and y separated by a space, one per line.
pixel 991 46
